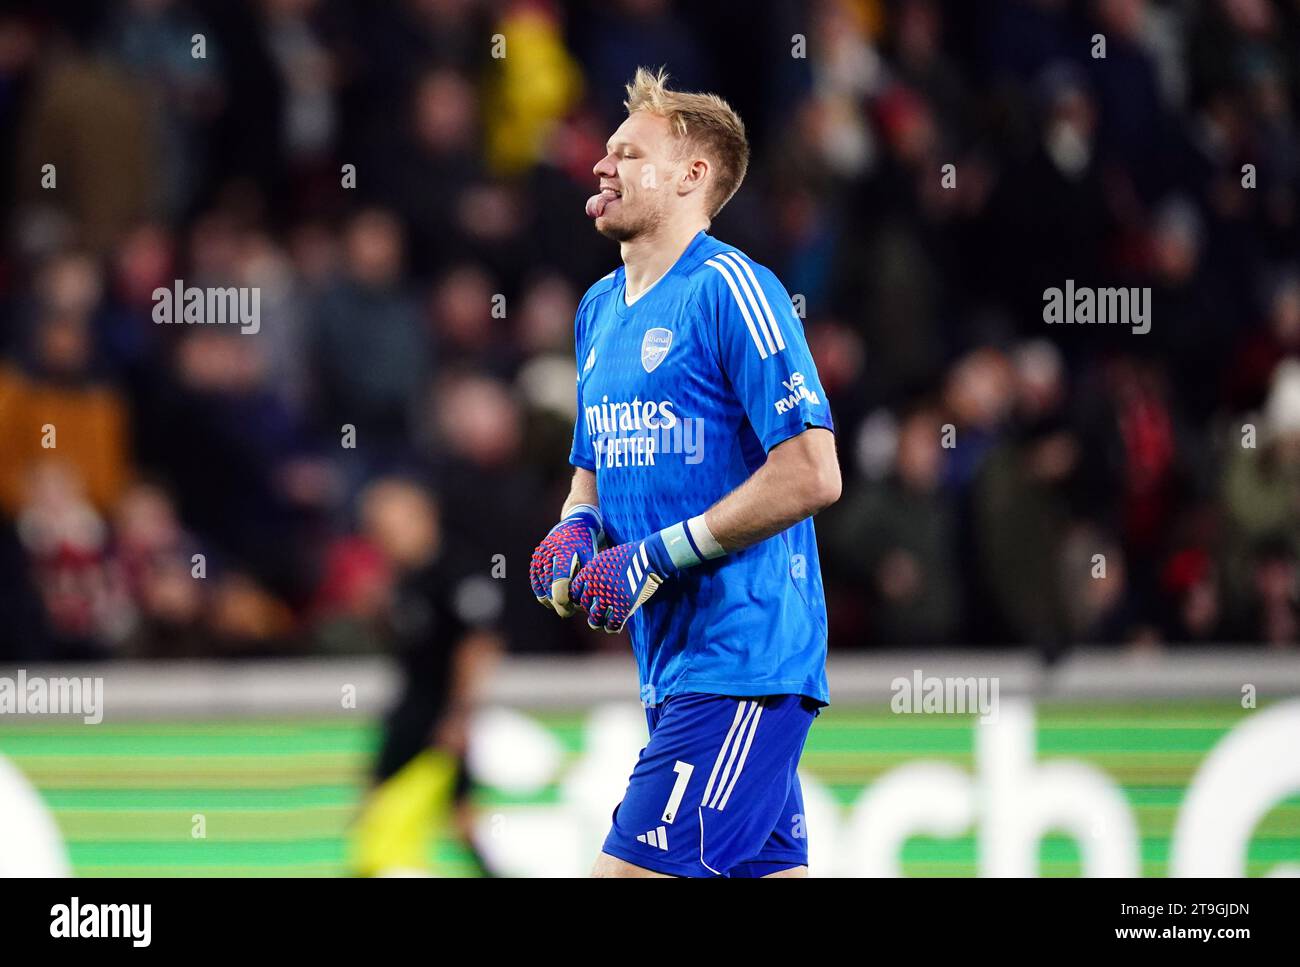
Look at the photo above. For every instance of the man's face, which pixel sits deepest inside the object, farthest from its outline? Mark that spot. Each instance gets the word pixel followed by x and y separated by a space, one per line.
pixel 636 178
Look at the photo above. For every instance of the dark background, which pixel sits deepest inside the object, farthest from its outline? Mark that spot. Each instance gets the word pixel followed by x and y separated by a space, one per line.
pixel 923 309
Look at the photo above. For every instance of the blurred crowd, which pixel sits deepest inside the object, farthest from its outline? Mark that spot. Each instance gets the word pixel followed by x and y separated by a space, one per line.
pixel 403 182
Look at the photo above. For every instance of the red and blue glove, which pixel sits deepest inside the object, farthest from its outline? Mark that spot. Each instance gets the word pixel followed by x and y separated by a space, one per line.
pixel 570 545
pixel 619 580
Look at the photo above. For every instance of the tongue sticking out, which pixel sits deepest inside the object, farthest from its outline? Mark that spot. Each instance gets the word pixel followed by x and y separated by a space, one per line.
pixel 597 202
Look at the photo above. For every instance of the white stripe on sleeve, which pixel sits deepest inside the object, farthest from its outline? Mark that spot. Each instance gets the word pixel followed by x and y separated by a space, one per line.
pixel 740 302
pixel 776 330
pixel 731 259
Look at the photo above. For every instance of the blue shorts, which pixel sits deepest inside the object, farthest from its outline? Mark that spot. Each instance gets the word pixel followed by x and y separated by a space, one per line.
pixel 715 791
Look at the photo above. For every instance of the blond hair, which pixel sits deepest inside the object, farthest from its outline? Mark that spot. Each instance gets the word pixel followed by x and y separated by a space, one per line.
pixel 702 121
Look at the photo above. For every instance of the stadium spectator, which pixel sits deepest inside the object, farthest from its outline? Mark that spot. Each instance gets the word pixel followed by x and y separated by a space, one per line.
pixel 425 297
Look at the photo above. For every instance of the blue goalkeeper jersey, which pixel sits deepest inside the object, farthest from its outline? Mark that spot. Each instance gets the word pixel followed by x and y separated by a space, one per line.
pixel 680 396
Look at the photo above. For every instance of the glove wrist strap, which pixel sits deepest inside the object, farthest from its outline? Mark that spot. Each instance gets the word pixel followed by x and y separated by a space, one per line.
pixel 588 515
pixel 691 542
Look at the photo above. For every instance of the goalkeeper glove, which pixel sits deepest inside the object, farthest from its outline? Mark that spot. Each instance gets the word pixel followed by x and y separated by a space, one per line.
pixel 570 545
pixel 619 580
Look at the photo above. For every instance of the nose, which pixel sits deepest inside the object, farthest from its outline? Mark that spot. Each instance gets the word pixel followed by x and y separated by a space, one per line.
pixel 605 167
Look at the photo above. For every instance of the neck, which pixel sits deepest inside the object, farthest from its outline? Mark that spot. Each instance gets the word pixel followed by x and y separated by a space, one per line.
pixel 646 258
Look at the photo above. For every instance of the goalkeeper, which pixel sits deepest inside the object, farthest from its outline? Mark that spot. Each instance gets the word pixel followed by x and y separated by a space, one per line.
pixel 703 446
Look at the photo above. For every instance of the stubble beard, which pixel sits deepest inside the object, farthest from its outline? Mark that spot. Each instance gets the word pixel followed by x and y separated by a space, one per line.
pixel 647 224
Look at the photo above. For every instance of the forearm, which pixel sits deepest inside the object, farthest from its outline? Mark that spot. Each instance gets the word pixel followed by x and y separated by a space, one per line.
pixel 582 490
pixel 799 478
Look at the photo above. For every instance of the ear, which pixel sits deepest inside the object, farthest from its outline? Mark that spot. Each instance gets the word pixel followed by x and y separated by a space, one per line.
pixel 695 174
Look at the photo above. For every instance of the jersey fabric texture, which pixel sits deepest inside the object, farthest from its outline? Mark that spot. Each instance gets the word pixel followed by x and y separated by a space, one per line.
pixel 680 397
pixel 715 791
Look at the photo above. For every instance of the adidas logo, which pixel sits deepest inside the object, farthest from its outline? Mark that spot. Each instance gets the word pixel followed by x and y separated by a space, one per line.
pixel 656 837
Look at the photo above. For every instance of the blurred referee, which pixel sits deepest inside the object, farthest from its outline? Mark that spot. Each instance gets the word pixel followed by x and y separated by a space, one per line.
pixel 442 631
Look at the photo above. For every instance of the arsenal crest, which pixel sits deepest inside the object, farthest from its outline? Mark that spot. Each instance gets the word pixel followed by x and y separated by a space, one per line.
pixel 654 347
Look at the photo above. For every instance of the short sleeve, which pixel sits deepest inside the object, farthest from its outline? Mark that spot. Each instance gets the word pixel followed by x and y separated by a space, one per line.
pixel 763 350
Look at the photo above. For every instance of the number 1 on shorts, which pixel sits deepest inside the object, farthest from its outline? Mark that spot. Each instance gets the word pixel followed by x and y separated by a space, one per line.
pixel 683 770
